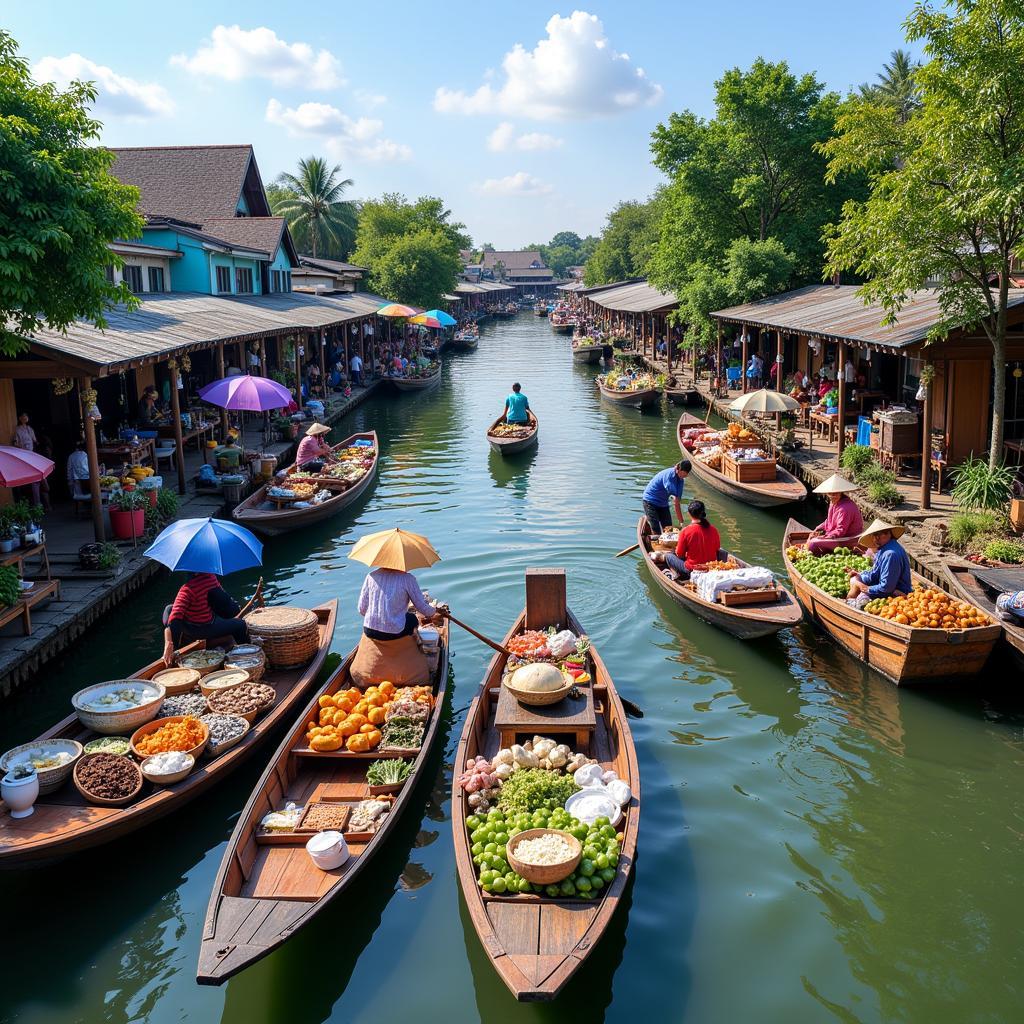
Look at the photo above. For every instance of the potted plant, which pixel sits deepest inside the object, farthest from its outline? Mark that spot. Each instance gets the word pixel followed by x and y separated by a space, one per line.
pixel 7 530
pixel 128 514
pixel 286 428
pixel 109 557
pixel 831 401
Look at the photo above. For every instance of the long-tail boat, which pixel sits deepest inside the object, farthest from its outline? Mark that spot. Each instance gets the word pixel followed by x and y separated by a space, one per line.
pixel 537 943
pixel 635 398
pixel 981 586
pixel 510 444
pixel 64 823
pixel 267 887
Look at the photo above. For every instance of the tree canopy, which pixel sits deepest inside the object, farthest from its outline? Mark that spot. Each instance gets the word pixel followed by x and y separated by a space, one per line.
pixel 410 249
pixel 59 207
pixel 627 242
pixel 946 201
pixel 313 202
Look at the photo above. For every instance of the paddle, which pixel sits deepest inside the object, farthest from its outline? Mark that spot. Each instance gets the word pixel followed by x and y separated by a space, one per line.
pixel 626 551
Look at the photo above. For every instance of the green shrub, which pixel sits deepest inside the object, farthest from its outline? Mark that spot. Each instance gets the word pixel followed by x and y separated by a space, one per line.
pixel 976 486
pixel 965 527
pixel 884 494
pixel 1005 551
pixel 856 458
pixel 873 473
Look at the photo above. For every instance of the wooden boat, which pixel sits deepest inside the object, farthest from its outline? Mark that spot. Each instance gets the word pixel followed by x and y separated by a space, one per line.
pixel 267 888
pixel 632 399
pixel 540 309
pixel 536 943
pixel 465 342
pixel 273 521
pixel 683 396
pixel 968 584
pixel 587 353
pixel 417 383
pixel 903 654
pixel 64 823
pixel 512 445
pixel 784 489
pixel 748 621
pixel 561 324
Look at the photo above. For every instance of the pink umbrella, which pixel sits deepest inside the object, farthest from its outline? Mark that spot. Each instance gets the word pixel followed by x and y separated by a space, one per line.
pixel 252 394
pixel 19 467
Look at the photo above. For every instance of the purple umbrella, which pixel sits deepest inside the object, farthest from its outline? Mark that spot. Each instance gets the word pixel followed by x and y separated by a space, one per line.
pixel 253 394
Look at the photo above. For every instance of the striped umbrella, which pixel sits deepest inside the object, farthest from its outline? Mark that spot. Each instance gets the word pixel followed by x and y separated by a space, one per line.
pixel 396 309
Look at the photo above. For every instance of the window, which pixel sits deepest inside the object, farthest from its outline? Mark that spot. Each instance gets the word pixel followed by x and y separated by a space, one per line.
pixel 223 279
pixel 287 274
pixel 243 280
pixel 275 280
pixel 133 278
pixel 156 279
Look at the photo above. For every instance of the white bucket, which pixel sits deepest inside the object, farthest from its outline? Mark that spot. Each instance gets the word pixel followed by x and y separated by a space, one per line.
pixel 327 850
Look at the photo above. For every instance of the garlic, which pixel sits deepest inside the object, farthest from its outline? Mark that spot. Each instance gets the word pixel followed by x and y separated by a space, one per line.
pixel 523 757
pixel 503 771
pixel 503 757
pixel 545 764
pixel 557 758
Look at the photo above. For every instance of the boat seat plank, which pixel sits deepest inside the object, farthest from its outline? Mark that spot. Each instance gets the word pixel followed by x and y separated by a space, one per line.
pixel 282 917
pixel 563 925
pixel 517 926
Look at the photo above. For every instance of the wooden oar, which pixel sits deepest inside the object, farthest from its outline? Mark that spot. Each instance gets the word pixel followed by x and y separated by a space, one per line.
pixel 479 636
pixel 626 551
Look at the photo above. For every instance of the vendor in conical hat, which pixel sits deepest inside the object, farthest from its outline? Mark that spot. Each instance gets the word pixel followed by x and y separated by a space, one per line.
pixel 889 575
pixel 313 449
pixel 843 524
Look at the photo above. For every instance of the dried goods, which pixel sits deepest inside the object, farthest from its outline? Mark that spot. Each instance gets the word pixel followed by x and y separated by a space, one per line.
pixel 223 728
pixel 183 735
pixel 107 776
pixel 322 817
pixel 193 703
pixel 242 699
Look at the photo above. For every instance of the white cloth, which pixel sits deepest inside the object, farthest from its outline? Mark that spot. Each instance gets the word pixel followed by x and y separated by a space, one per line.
pixel 78 467
pixel 849 371
pixel 710 584
pixel 385 598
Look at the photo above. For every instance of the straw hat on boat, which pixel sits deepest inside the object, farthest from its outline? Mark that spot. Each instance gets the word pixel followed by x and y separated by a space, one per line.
pixel 395 549
pixel 880 526
pixel 835 484
pixel 318 428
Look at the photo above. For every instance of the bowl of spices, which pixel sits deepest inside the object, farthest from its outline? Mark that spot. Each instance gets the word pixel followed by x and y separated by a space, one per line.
pixel 246 700
pixel 167 768
pixel 192 703
pixel 178 732
pixel 225 731
pixel 109 780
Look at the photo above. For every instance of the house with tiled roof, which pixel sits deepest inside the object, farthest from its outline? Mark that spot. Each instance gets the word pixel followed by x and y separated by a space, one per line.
pixel 323 276
pixel 524 268
pixel 208 225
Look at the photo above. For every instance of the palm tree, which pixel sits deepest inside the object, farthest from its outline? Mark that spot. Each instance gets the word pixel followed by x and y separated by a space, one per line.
pixel 312 202
pixel 895 85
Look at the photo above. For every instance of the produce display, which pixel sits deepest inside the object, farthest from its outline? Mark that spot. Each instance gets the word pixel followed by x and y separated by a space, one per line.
pixel 193 703
pixel 530 644
pixel 202 659
pixel 827 572
pixel 402 732
pixel 323 816
pixel 183 735
pixel 42 759
pixel 286 820
pixel 928 608
pixel 541 677
pixel 368 815
pixel 510 430
pixel 357 719
pixel 107 776
pixel 532 789
pixel 729 563
pixel 550 848
pixel 120 698
pixel 388 772
pixel 120 745
pixel 223 728
pixel 617 380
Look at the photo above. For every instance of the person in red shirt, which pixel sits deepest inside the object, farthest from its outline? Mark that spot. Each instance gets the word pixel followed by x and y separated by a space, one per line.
pixel 698 543
pixel 202 610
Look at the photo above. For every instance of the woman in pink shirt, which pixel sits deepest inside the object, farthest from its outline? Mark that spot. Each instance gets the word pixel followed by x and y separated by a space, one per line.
pixel 843 524
pixel 313 449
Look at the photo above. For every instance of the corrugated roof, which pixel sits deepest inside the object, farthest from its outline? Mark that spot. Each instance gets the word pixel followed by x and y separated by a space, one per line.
pixel 482 287
pixel 194 183
pixel 638 297
pixel 335 266
pixel 839 313
pixel 174 322
pixel 514 259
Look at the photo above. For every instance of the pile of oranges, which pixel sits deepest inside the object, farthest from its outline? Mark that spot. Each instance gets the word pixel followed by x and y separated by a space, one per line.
pixel 930 608
pixel 353 718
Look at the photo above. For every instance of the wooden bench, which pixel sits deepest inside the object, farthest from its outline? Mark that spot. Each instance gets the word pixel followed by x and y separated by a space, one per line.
pixel 21 608
pixel 17 558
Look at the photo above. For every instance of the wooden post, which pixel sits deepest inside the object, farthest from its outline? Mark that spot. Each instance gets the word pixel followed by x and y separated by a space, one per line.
pixel 179 444
pixel 243 358
pixel 298 371
pixel 263 357
pixel 926 446
pixel 323 366
pixel 220 376
pixel 840 374
pixel 743 363
pixel 718 360
pixel 95 498
pixel 545 598
pixel 778 361
pixel 344 342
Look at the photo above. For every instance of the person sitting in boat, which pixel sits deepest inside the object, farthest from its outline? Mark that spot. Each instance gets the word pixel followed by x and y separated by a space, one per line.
pixel 1010 607
pixel 843 524
pixel 661 487
pixel 889 575
pixel 698 544
pixel 202 610
pixel 313 449
pixel 384 605
pixel 517 406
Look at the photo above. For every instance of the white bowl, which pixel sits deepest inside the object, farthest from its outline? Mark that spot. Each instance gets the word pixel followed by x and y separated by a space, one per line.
pixel 114 723
pixel 50 779
pixel 327 850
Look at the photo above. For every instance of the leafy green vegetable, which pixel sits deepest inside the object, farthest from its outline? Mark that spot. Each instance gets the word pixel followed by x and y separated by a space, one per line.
pixel 531 788
pixel 388 772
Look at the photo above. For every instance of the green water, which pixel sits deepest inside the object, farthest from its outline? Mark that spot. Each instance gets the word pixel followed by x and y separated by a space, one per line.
pixel 815 845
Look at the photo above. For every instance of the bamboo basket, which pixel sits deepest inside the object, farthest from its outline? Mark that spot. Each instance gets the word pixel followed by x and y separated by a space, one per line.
pixel 290 636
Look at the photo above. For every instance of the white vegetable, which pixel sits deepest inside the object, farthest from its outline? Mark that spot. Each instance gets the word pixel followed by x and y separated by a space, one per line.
pixel 475 799
pixel 565 749
pixel 562 644
pixel 620 791
pixel 504 757
pixel 543 747
pixel 545 764
pixel 608 776
pixel 523 757
pixel 588 775
pixel 557 758
pixel 503 771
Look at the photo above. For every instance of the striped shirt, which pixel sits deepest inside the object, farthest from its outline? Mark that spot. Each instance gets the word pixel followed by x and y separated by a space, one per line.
pixel 193 601
pixel 384 600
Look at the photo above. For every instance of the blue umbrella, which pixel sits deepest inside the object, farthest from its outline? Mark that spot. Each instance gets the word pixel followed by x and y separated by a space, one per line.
pixel 206 545
pixel 428 319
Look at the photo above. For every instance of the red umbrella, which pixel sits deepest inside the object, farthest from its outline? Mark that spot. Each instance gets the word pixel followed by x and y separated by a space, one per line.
pixel 19 467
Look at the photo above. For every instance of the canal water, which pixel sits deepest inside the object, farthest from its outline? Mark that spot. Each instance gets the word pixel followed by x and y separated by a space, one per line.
pixel 815 845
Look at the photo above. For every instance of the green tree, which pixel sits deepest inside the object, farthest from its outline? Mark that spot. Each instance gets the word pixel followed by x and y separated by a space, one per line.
pixel 59 207
pixel 753 172
pixel 946 185
pixel 417 268
pixel 626 244
pixel 567 238
pixel 895 84
pixel 559 258
pixel 313 202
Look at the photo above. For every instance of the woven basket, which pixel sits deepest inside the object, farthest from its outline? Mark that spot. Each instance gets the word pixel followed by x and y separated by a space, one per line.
pixel 290 636
pixel 50 779
pixel 543 874
pixel 177 680
pixel 102 801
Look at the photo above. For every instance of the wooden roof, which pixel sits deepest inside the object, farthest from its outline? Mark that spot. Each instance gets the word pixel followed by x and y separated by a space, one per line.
pixel 636 297
pixel 838 313
pixel 178 322
pixel 513 259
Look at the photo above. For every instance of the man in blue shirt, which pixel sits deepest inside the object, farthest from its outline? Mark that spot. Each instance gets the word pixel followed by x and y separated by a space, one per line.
pixel 889 575
pixel 516 406
pixel 663 486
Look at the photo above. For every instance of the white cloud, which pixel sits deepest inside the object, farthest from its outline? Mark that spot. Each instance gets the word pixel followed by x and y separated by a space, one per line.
pixel 234 53
pixel 518 184
pixel 573 73
pixel 117 95
pixel 346 137
pixel 370 99
pixel 504 138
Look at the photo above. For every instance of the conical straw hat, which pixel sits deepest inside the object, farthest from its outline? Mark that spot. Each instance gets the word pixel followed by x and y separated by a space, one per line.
pixel 395 549
pixel 318 428
pixel 878 526
pixel 835 484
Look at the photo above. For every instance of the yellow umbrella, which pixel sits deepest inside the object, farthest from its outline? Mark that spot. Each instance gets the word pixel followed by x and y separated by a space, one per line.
pixel 395 549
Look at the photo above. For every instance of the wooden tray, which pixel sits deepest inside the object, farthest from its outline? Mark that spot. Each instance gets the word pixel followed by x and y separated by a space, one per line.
pixel 300 836
pixel 309 830
pixel 731 598
pixel 362 755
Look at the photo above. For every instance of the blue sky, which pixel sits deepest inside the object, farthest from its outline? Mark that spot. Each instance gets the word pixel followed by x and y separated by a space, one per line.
pixel 527 118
